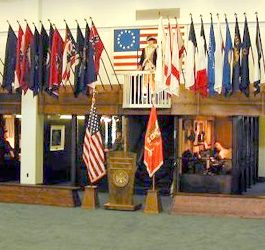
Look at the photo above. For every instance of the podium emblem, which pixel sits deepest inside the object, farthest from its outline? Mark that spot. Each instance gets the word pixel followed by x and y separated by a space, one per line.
pixel 120 178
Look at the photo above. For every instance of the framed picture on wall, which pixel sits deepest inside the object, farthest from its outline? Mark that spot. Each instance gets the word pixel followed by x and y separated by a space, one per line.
pixel 57 137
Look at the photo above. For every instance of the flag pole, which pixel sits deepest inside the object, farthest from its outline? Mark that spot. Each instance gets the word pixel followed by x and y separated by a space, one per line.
pixel 106 72
pixel 101 82
pixel 109 60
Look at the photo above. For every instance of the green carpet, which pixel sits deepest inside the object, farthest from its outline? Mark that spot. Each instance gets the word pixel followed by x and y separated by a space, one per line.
pixel 32 227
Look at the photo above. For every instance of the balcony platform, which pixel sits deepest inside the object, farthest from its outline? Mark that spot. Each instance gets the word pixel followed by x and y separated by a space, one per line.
pixel 219 205
pixel 51 195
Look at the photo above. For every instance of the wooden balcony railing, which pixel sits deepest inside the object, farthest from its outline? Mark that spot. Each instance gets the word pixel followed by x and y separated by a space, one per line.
pixel 137 94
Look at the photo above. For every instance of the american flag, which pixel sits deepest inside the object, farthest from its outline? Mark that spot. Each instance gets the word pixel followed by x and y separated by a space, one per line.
pixel 93 154
pixel 128 44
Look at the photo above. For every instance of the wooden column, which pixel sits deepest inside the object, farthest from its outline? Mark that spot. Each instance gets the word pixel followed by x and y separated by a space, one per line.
pixel 73 149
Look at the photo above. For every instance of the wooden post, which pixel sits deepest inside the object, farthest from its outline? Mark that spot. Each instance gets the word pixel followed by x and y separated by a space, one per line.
pixel 73 149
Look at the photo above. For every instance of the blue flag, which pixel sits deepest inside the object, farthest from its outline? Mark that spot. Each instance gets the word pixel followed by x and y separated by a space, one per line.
pixel 88 70
pixel 43 54
pixel 91 64
pixel 211 59
pixel 244 84
pixel 34 83
pixel 48 60
pixel 10 60
pixel 236 59
pixel 227 83
pixel 79 49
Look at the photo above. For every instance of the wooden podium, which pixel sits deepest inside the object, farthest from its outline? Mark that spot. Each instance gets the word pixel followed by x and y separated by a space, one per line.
pixel 121 172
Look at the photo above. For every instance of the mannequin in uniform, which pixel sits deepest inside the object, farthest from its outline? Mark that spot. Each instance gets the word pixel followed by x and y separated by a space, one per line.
pixel 148 63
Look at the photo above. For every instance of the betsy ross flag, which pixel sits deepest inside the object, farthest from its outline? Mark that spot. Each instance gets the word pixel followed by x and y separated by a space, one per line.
pixel 128 44
pixel 93 154
pixel 153 148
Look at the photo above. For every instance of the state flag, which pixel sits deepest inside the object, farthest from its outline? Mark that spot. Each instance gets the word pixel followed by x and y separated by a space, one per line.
pixel 70 56
pixel 236 77
pixel 211 61
pixel 97 44
pixel 201 64
pixel 227 70
pixel 43 57
pixel 219 59
pixel 34 83
pixel 10 60
pixel 55 77
pixel 26 63
pixel 258 60
pixel 19 58
pixel 190 59
pixel 79 48
pixel 244 83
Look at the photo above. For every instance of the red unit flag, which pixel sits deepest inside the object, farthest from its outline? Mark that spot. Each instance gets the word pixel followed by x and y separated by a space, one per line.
pixel 153 149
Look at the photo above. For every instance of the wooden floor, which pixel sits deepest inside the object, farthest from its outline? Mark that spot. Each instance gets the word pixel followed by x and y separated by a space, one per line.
pixel 53 195
pixel 219 205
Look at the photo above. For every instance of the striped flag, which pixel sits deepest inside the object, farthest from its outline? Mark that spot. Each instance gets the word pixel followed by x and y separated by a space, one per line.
pixel 93 154
pixel 70 56
pixel 127 46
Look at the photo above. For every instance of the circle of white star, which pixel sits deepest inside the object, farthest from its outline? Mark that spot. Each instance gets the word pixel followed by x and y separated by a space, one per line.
pixel 131 33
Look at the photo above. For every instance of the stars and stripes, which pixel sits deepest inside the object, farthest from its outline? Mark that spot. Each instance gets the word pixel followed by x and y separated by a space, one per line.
pixel 127 46
pixel 93 154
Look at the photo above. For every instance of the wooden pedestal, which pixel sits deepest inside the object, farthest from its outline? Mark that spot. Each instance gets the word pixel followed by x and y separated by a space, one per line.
pixel 152 203
pixel 90 199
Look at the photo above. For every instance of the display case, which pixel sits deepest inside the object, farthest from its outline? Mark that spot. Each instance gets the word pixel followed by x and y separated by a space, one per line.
pixel 205 154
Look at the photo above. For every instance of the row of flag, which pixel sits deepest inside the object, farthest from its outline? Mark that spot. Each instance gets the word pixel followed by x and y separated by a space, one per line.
pixel 43 61
pixel 223 67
